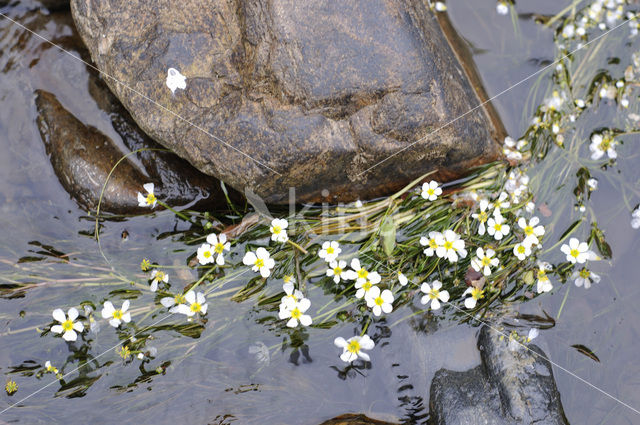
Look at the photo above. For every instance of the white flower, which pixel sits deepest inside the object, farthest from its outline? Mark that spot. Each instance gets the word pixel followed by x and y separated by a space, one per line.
pixel 259 261
pixel 501 202
pixel 379 301
pixel 352 348
pixel 580 103
pixel 157 276
pixel 278 230
pixel 502 8
pixel 585 277
pixel 363 287
pixel 430 243
pixel 522 250
pixel 593 184
pixel 568 31
pixel 170 302
pixel 196 302
pixel 433 294
pixel 292 296
pixel 635 218
pixel 329 251
pixel 576 251
pixel 533 334
pixel 50 367
pixel 116 316
pixel 360 274
pixel 602 144
pixel 450 246
pixel 218 244
pixel 358 204
pixel 543 284
pixel 484 261
pixel 531 230
pixel 150 199
pixel 67 324
pixel 555 101
pixel 440 6
pixel 431 190
pixel 205 254
pixel 337 270
pixel 295 313
pixel 482 216
pixel 475 295
pixel 175 80
pixel 402 279
pixel 497 228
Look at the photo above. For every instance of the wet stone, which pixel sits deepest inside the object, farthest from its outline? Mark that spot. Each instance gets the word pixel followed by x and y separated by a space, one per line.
pixel 294 101
pixel 82 158
pixel 509 387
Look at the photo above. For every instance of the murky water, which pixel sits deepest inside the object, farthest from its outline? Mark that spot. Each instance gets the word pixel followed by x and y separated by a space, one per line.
pixel 214 378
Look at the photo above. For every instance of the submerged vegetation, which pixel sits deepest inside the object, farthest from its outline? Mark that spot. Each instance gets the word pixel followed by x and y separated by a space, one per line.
pixel 459 250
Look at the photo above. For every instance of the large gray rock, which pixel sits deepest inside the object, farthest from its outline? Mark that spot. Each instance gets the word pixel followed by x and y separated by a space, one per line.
pixel 305 94
pixel 509 387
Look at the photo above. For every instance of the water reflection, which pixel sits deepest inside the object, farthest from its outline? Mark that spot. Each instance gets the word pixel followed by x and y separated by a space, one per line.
pixel 240 370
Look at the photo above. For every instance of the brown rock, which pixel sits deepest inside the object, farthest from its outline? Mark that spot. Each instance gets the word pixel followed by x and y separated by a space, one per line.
pixel 305 94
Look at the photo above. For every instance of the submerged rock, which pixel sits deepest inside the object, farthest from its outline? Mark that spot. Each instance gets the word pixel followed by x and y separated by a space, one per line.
pixel 82 158
pixel 305 94
pixel 509 387
pixel 352 419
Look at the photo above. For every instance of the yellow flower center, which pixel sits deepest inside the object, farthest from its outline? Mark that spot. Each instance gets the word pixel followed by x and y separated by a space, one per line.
pixel 430 191
pixel 296 313
pixel 379 301
pixel 67 325
pixel 542 275
pixel 483 216
pixel 528 230
pixel 486 261
pixel 330 250
pixel 206 254
pixel 477 293
pixel 259 263
pixel 448 245
pixel 52 369
pixel 433 294
pixel 277 230
pixel 151 198
pixel 219 248
pixel 353 347
pixel 179 299
pixel 574 253
pixel 159 276
pixel 605 144
pixel 367 285
pixel 497 226
pixel 196 307
pixel 584 273
pixel 117 314
pixel 433 244
pixel 363 273
pixel 521 249
pixel 337 271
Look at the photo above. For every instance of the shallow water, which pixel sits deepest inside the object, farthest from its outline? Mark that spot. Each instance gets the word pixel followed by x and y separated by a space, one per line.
pixel 214 378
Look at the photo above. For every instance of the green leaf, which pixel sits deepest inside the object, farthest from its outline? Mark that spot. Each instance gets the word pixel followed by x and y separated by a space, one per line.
pixel 586 351
pixel 388 235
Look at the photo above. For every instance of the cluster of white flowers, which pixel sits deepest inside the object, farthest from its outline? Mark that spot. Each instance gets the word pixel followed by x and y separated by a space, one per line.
pixel 278 230
pixel 513 150
pixel 445 245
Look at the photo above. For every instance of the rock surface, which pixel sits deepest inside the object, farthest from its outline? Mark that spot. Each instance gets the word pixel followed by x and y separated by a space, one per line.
pixel 82 158
pixel 305 94
pixel 509 387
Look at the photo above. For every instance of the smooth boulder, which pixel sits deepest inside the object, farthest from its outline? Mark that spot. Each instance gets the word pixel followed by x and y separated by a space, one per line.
pixel 511 386
pixel 305 94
